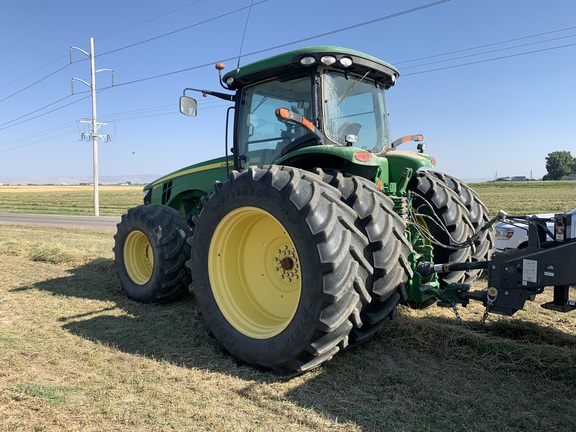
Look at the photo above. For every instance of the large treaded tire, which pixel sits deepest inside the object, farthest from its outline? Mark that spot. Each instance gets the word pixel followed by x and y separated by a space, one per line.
pixel 291 317
pixel 446 219
pixel 478 214
pixel 387 251
pixel 150 253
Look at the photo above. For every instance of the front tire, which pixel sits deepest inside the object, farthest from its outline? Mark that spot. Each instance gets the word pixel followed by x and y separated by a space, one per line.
pixel 276 260
pixel 150 253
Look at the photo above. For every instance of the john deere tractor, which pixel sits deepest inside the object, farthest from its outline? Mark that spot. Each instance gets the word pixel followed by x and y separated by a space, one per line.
pixel 304 239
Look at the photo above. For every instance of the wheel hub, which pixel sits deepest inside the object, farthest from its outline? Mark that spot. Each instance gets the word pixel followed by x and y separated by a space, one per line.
pixel 286 264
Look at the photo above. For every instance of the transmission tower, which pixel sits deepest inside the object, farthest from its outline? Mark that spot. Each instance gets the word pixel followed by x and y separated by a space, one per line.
pixel 95 124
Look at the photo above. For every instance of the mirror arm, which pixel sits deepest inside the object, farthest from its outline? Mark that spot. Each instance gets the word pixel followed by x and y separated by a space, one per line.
pixel 227 97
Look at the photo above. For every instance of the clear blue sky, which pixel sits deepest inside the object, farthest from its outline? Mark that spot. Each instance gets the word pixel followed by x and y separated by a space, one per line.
pixel 501 113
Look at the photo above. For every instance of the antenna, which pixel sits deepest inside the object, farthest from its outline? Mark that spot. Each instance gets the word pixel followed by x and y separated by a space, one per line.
pixel 243 34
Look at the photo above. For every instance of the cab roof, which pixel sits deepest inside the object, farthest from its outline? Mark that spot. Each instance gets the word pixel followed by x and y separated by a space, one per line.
pixel 357 62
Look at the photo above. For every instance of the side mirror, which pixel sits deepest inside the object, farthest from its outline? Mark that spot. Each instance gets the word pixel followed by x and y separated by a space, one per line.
pixel 188 106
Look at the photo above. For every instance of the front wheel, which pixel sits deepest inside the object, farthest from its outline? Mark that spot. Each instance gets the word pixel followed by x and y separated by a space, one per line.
pixel 150 253
pixel 276 262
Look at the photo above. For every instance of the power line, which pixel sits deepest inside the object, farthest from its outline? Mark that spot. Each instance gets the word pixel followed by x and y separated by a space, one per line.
pixel 160 111
pixel 45 135
pixel 149 20
pixel 490 52
pixel 109 52
pixel 34 83
pixel 485 46
pixel 181 29
pixel 354 26
pixel 118 117
pixel 32 72
pixel 205 103
pixel 4 125
pixel 41 133
pixel 3 150
pixel 491 59
pixel 64 67
pixel 386 17
pixel 138 111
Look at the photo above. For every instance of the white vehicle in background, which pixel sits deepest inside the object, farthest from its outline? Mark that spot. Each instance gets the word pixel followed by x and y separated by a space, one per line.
pixel 513 234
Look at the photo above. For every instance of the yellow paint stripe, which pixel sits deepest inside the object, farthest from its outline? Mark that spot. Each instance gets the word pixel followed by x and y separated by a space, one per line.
pixel 192 170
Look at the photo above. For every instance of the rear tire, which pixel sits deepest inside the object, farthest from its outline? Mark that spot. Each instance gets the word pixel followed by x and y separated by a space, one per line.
pixel 387 251
pixel 478 214
pixel 276 262
pixel 440 211
pixel 150 253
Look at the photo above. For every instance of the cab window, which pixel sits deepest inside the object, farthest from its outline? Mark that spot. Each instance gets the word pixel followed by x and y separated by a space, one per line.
pixel 355 106
pixel 261 135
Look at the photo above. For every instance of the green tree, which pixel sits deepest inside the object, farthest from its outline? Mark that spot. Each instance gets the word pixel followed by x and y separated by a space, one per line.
pixel 559 164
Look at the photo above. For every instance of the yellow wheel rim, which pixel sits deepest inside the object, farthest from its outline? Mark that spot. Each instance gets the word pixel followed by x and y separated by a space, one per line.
pixel 255 272
pixel 138 257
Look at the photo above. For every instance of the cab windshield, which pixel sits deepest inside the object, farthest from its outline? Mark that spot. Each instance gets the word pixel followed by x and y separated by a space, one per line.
pixel 262 137
pixel 355 109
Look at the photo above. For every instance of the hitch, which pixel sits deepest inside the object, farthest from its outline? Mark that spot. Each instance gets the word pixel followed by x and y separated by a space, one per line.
pixel 450 295
pixel 518 275
pixel 456 293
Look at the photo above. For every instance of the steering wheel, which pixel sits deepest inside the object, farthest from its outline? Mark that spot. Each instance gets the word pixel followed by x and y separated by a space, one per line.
pixel 305 140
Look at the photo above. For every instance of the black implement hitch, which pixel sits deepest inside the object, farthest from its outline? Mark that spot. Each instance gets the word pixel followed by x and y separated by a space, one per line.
pixel 518 275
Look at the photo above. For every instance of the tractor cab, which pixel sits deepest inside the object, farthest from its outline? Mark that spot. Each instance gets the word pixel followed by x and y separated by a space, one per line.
pixel 320 96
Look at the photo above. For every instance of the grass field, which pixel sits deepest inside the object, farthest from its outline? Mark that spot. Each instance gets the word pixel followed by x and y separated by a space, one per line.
pixel 77 355
pixel 528 197
pixel 68 200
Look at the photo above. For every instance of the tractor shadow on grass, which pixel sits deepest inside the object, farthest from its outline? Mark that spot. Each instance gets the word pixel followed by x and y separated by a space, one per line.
pixel 173 332
pixel 421 373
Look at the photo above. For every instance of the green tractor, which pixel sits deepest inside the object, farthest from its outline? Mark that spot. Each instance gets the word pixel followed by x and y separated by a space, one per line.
pixel 305 238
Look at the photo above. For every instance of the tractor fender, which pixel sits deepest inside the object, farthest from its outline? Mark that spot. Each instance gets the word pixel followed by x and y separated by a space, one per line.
pixel 183 189
pixel 351 160
pixel 399 160
pixel 186 185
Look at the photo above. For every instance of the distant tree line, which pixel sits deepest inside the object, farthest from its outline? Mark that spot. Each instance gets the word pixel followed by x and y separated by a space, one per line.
pixel 559 165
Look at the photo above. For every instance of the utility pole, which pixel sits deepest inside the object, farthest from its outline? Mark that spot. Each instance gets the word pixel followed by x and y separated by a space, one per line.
pixel 95 124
